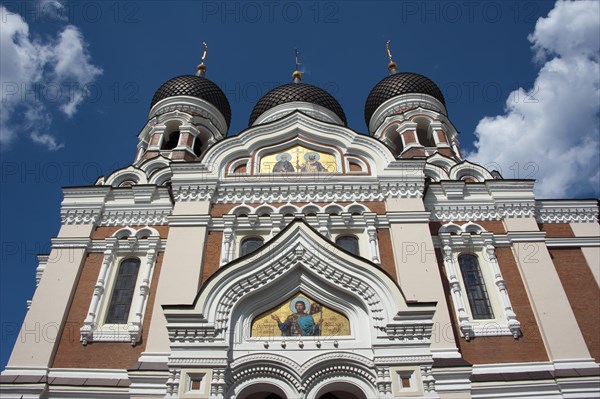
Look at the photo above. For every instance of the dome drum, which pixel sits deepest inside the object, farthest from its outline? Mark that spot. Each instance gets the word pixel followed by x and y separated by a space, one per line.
pixel 196 95
pixel 295 95
pixel 316 111
pixel 398 92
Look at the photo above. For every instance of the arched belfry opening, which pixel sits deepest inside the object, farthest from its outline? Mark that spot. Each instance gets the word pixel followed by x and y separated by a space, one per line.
pixel 424 133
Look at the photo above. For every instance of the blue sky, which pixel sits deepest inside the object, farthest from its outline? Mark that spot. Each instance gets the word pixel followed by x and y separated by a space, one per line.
pixel 74 103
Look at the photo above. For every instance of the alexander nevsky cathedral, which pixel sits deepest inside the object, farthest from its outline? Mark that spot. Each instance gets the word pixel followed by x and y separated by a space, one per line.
pixel 302 259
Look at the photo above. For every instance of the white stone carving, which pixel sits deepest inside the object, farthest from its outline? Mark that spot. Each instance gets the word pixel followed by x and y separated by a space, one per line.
pixel 92 329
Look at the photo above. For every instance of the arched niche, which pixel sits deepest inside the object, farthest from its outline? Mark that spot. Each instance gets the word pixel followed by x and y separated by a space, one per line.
pixel 298 281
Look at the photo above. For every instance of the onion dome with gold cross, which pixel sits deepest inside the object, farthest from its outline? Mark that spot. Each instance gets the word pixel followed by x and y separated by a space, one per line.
pixel 398 90
pixel 300 96
pixel 190 92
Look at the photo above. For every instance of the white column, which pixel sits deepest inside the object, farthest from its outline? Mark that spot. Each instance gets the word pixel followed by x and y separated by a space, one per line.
pixel 228 239
pixel 323 220
pixel 276 221
pixel 513 324
pixel 135 329
pixel 373 243
pixel 89 324
pixel 456 290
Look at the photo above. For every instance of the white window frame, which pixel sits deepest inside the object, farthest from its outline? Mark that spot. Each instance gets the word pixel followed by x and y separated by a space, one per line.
pixel 116 251
pixel 473 239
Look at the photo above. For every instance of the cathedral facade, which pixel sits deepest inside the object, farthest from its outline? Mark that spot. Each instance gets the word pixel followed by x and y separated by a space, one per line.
pixel 299 258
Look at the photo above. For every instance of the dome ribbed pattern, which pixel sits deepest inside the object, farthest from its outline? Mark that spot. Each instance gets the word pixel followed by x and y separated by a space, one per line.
pixel 396 85
pixel 293 92
pixel 195 86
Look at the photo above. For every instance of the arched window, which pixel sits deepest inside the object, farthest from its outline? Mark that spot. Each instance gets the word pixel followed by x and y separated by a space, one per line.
pixel 171 141
pixel 250 244
pixel 349 243
pixel 122 294
pixel 475 287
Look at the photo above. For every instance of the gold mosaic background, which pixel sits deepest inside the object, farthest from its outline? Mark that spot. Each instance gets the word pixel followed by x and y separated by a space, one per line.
pixel 334 323
pixel 296 158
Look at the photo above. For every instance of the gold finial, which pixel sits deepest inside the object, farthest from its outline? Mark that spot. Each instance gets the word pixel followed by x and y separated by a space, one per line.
pixel 297 75
pixel 392 66
pixel 201 69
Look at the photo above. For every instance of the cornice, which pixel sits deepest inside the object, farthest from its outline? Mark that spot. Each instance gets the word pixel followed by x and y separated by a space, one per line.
pixel 62 242
pixel 134 216
pixel 189 220
pixel 566 211
pixel 573 242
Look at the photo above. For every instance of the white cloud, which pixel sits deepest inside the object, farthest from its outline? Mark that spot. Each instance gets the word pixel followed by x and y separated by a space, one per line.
pixel 551 131
pixel 36 76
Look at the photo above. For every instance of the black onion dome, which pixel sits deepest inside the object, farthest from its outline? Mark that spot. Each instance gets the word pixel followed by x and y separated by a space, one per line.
pixel 195 86
pixel 398 84
pixel 292 92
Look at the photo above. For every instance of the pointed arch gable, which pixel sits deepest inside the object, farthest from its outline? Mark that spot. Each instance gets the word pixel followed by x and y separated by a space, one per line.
pixel 298 252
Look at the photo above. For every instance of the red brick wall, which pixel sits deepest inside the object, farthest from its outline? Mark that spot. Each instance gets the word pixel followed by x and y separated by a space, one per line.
pixel 583 293
pixel 386 253
pixel 212 254
pixel 71 353
pixel 502 349
pixel 557 230
pixel 354 167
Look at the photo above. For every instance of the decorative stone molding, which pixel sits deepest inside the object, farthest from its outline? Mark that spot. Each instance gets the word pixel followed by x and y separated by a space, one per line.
pixel 228 239
pixel 156 217
pixel 300 249
pixel 427 378
pixel 354 207
pixel 192 106
pixel 303 378
pixel 486 243
pixel 195 193
pixel 566 211
pixel 331 193
pixel 401 105
pixel 92 329
pixel 39 271
pixel 393 360
pixel 479 212
pixel 372 234
pixel 457 295
pixel 79 215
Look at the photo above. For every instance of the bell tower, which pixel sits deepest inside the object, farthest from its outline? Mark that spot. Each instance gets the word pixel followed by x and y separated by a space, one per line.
pixel 407 112
pixel 187 115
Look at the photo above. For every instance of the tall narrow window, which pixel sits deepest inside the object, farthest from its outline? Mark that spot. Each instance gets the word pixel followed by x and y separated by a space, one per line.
pixel 122 295
pixel 349 243
pixel 250 244
pixel 475 287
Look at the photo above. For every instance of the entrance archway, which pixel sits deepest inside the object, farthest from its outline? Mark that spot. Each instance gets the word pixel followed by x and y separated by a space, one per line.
pixel 340 390
pixel 264 395
pixel 261 391
pixel 339 395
